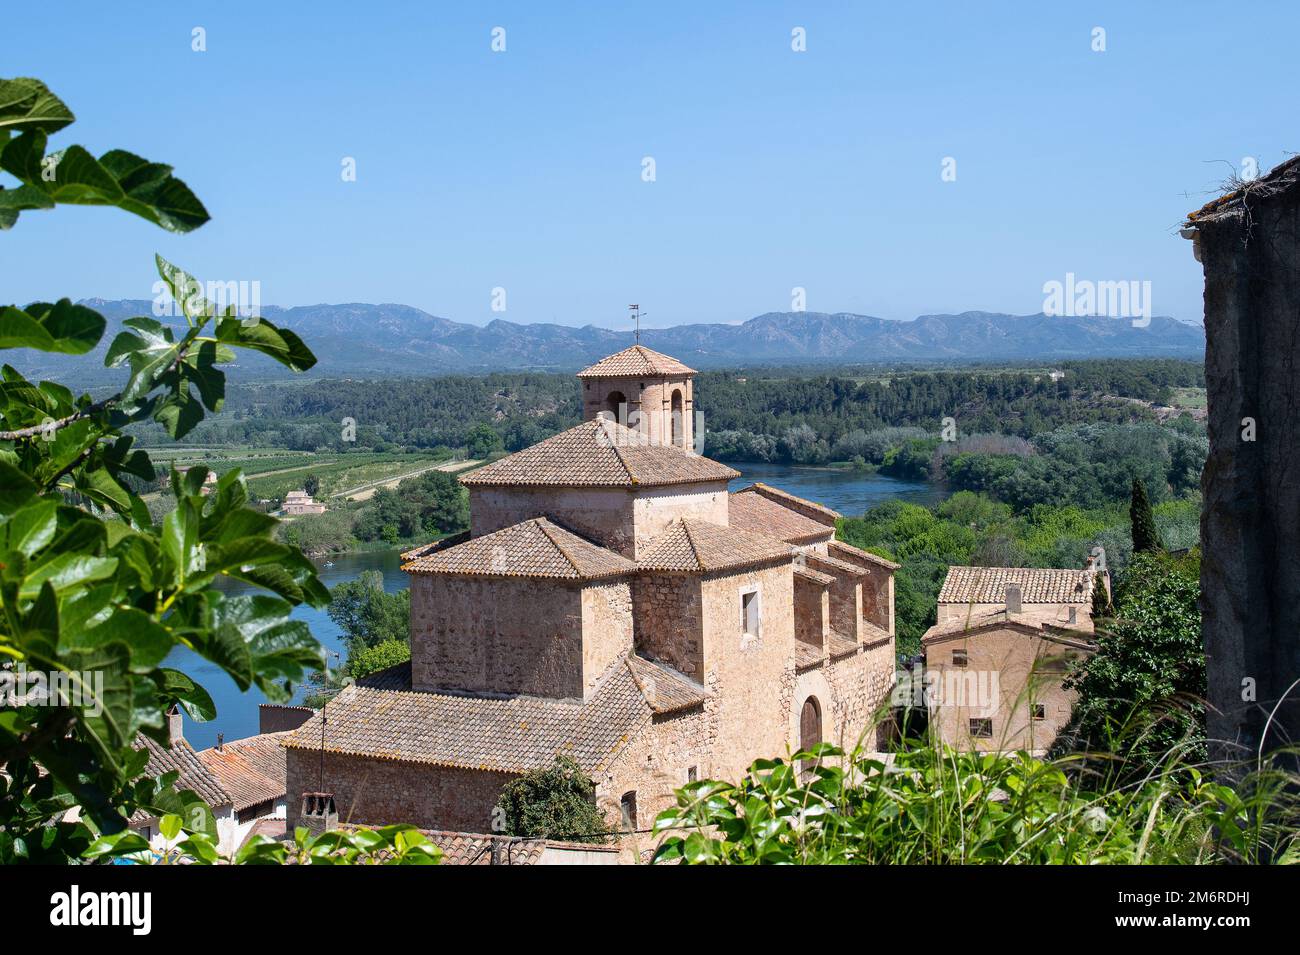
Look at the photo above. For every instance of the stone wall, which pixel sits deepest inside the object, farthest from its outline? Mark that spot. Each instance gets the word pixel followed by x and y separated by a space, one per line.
pixel 668 621
pixel 497 635
pixel 751 678
pixel 604 515
pixel 812 607
pixel 655 508
pixel 649 405
pixel 1008 672
pixel 1250 518
pixel 378 792
pixel 606 629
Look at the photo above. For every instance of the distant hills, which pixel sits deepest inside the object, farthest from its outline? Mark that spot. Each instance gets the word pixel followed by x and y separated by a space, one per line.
pixel 362 341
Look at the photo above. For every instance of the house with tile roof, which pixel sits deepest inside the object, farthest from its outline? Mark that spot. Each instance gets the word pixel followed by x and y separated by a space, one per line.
pixel 997 656
pixel 615 603
pixel 243 782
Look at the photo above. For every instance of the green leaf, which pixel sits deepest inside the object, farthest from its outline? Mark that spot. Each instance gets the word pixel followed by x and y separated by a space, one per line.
pixel 32 528
pixel 62 327
pixel 27 103
pixel 261 336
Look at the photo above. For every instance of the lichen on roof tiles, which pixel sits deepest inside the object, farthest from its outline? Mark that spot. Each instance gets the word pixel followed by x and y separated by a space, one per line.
pixel 637 361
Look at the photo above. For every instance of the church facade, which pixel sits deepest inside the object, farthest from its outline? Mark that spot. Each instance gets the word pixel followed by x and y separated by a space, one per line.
pixel 615 603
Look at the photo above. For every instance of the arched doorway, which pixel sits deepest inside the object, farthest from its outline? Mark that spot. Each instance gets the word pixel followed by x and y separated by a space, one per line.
pixel 810 729
pixel 679 430
pixel 616 404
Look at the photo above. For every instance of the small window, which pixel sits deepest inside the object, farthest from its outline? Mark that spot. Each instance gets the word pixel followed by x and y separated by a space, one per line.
pixel 692 774
pixel 1074 615
pixel 750 614
pixel 981 728
pixel 628 806
pixel 959 658
pixel 1039 711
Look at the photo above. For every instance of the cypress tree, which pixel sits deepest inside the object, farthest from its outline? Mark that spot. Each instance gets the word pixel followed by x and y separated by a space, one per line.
pixel 1143 521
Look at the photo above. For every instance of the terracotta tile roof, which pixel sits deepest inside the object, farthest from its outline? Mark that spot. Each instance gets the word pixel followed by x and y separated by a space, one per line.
pixel 637 361
pixel 396 677
pixel 841 645
pixel 480 848
pixel 851 554
pixel 491 734
pixel 599 453
pixel 252 770
pixel 180 756
pixel 701 546
pixel 806 655
pixel 814 576
pixel 1001 620
pixel 834 566
pixel 809 509
pixel 665 690
pixel 762 515
pixel 532 548
pixel 987 585
pixel 441 544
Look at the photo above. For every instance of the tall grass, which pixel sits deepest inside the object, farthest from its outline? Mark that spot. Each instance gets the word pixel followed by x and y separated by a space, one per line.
pixel 928 804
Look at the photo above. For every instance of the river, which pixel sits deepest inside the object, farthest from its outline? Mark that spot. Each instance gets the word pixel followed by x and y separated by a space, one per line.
pixel 848 492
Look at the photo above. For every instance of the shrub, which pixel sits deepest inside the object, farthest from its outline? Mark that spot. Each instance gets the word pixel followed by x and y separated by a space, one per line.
pixel 556 802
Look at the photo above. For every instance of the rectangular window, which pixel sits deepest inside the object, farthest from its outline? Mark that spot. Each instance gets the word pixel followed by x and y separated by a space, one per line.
pixel 959 658
pixel 1039 711
pixel 692 774
pixel 981 728
pixel 750 614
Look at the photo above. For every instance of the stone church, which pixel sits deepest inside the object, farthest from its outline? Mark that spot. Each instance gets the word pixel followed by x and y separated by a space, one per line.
pixel 614 603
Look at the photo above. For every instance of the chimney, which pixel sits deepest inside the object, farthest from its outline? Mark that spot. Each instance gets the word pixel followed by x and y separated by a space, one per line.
pixel 175 725
pixel 319 813
pixel 1013 598
pixel 221 738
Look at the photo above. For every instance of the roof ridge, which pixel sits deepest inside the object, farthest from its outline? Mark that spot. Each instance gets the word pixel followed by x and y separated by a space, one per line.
pixel 545 526
pixel 690 540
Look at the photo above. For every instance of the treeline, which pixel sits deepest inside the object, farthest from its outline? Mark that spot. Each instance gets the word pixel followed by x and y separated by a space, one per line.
pixel 762 415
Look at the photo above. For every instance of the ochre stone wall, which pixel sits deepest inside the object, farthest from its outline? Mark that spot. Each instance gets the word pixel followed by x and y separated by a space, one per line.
pixel 846 597
pixel 378 792
pixel 603 515
pixel 998 670
pixel 606 628
pixel 655 508
pixel 668 621
pixel 496 635
pixel 812 608
pixel 751 678
pixel 861 684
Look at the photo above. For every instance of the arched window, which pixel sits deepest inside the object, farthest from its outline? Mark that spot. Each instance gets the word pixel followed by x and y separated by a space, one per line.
pixel 679 430
pixel 616 403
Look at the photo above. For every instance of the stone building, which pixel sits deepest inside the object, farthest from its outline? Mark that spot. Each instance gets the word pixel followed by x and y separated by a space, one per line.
pixel 297 503
pixel 998 653
pixel 615 604
pixel 1248 243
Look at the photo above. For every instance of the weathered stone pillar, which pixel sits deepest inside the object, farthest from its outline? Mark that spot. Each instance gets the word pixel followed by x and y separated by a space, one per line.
pixel 1250 523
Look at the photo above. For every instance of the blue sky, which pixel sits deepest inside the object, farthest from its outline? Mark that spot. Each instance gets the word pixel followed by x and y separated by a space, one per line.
pixel 774 168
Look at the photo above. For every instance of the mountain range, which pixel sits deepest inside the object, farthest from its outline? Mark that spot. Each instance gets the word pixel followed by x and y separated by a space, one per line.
pixel 363 341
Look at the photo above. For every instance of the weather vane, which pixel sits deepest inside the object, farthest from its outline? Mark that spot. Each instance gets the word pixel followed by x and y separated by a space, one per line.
pixel 636 317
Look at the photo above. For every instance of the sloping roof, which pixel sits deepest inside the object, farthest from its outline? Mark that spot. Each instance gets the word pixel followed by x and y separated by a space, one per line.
pixel 252 770
pixel 634 362
pixel 1280 178
pixel 987 585
pixel 840 645
pixel 753 512
pixel 810 509
pixel 850 553
pixel 693 545
pixel 1001 620
pixel 665 690
pixel 180 756
pixel 599 453
pixel 838 568
pixel 814 576
pixel 491 734
pixel 532 548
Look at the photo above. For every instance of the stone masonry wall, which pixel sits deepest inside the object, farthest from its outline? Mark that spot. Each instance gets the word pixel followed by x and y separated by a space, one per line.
pixel 379 792
pixel 496 635
pixel 603 515
pixel 606 628
pixel 668 621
